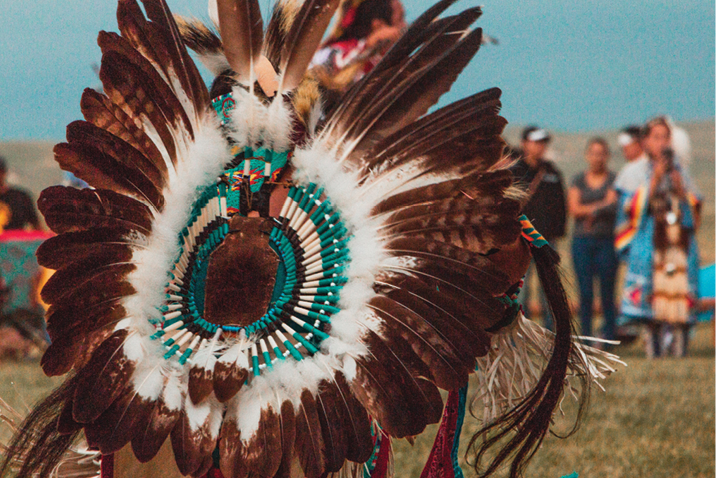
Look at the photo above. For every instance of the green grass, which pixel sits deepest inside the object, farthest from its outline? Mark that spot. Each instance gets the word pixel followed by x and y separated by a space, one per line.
pixel 656 419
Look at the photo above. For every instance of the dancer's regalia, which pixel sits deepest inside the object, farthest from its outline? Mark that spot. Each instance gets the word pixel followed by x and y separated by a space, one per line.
pixel 273 338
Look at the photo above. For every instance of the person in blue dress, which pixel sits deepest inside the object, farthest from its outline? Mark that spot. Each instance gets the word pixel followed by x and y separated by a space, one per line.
pixel 657 219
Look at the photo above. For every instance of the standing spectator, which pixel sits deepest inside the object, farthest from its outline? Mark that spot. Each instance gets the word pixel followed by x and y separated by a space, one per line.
pixel 592 203
pixel 15 205
pixel 629 140
pixel 658 216
pixel 546 206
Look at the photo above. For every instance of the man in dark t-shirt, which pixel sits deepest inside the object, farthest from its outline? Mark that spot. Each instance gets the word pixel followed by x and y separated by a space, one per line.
pixel 546 205
pixel 17 210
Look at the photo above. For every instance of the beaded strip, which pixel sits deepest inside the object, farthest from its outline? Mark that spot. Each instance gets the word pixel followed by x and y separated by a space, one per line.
pixel 530 234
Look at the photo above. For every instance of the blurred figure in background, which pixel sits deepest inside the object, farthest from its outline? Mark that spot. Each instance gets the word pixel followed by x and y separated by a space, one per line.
pixel 630 142
pixel 16 206
pixel 593 204
pixel 657 219
pixel 546 205
pixel 364 31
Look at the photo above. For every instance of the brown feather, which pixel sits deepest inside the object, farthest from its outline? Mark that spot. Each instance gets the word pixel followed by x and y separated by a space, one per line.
pixel 309 438
pixel 412 97
pixel 481 189
pixel 230 449
pixel 96 270
pixel 192 447
pixel 101 112
pixel 157 426
pixel 241 28
pixel 198 36
pixel 432 128
pixel 102 379
pixel 463 341
pixel 304 39
pixel 288 439
pixel 330 414
pixel 79 315
pixel 261 453
pixel 65 423
pixel 119 424
pixel 161 43
pixel 147 74
pixel 448 264
pixel 471 314
pixel 409 80
pixel 88 162
pixel 70 350
pixel 70 210
pixel 130 89
pixel 201 382
pixel 228 379
pixel 351 104
pixel 101 245
pixel 356 423
pixel 402 404
pixel 401 327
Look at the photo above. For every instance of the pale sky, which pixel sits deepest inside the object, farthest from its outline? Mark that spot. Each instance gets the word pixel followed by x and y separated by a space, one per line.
pixel 568 65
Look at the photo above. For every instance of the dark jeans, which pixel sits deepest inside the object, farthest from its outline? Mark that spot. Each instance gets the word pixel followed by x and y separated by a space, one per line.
pixel 595 257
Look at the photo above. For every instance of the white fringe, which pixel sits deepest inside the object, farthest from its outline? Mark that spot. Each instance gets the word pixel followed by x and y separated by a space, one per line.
pixel 77 462
pixel 518 356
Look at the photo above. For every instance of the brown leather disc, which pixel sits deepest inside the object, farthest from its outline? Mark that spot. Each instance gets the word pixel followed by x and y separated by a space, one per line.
pixel 241 274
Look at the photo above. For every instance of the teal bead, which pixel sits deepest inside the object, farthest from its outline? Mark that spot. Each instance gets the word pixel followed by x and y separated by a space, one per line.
pixel 255 363
pixel 171 352
pixel 292 350
pixel 308 345
pixel 185 356
pixel 267 359
pixel 157 334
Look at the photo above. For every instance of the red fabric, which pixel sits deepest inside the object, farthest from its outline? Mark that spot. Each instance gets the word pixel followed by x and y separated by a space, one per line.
pixel 382 461
pixel 439 464
pixel 107 466
pixel 16 235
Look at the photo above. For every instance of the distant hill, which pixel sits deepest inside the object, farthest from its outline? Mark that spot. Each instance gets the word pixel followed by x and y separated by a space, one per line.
pixel 33 167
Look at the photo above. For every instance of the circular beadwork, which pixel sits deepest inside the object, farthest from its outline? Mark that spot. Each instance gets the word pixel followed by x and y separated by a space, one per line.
pixel 311 243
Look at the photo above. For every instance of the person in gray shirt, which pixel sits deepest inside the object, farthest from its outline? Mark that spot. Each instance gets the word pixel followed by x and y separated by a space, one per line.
pixel 592 202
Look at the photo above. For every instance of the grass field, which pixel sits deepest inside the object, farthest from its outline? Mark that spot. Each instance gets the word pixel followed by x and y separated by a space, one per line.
pixel 655 420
